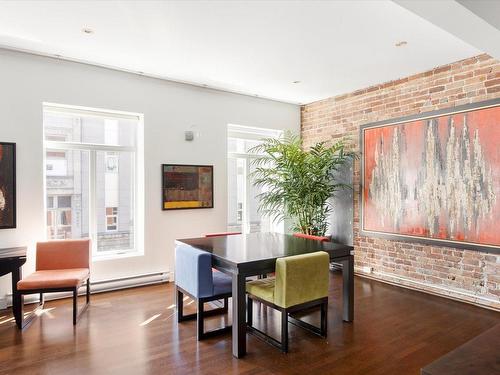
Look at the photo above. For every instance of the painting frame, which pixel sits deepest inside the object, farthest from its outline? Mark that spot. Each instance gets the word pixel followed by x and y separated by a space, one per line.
pixel 186 165
pixel 13 186
pixel 406 237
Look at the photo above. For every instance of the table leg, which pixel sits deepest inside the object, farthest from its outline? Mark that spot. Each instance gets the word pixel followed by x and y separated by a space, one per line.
pixel 239 321
pixel 17 300
pixel 348 288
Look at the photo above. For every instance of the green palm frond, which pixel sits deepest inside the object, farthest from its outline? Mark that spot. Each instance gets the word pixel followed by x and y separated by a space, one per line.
pixel 298 183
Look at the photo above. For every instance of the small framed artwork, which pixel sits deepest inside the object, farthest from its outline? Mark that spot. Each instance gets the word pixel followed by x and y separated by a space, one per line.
pixel 187 186
pixel 7 185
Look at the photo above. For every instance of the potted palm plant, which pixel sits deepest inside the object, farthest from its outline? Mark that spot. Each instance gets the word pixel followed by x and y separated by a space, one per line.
pixel 296 183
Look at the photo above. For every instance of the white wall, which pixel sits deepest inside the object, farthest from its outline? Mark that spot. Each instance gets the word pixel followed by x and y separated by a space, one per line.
pixel 169 108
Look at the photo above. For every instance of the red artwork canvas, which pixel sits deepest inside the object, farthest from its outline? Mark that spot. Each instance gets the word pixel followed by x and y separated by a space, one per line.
pixel 436 178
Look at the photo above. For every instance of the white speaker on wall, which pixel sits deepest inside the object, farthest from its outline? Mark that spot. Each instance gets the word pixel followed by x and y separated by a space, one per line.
pixel 188 135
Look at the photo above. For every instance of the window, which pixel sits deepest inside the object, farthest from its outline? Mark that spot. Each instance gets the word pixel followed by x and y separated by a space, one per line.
pixel 93 178
pixel 243 201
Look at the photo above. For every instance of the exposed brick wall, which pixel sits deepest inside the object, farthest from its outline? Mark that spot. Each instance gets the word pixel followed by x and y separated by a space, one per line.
pixel 462 274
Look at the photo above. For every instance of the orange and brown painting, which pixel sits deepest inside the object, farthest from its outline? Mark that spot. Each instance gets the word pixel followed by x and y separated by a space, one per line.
pixel 436 178
pixel 187 186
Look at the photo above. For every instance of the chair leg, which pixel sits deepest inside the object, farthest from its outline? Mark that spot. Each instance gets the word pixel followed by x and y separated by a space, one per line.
pixel 75 304
pixel 284 331
pixel 201 314
pixel 22 322
pixel 77 314
pixel 199 320
pixel 179 297
pixel 87 296
pixel 249 311
pixel 324 319
pixel 18 302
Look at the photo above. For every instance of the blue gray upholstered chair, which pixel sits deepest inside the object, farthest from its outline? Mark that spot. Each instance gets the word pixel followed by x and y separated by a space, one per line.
pixel 195 278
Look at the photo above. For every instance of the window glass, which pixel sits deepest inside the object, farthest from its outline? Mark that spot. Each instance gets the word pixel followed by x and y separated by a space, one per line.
pixel 115 202
pixel 243 197
pixel 236 179
pixel 68 198
pixel 90 170
pixel 81 128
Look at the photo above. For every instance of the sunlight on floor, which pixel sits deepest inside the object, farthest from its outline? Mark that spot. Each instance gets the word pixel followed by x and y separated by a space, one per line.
pixel 6 320
pixel 40 312
pixel 146 322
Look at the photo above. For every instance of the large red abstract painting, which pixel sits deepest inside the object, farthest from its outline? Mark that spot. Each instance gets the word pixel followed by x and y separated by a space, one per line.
pixel 434 178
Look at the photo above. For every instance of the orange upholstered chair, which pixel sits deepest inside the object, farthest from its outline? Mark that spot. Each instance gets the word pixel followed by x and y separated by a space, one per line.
pixel 222 234
pixel 61 266
pixel 311 237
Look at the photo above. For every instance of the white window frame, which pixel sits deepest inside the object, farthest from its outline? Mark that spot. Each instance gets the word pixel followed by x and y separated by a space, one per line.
pixel 249 133
pixel 138 152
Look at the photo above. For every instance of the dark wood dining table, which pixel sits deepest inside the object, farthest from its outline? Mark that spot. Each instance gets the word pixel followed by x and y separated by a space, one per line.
pixel 11 261
pixel 254 254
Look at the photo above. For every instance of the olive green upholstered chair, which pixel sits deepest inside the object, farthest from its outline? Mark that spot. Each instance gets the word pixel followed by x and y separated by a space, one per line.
pixel 301 282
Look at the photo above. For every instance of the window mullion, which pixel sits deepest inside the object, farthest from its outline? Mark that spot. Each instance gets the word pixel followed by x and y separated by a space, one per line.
pixel 86 146
pixel 135 202
pixel 92 201
pixel 246 195
pixel 242 155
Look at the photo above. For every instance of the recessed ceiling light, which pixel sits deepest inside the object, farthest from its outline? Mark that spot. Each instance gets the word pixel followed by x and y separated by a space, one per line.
pixel 401 43
pixel 295 82
pixel 86 30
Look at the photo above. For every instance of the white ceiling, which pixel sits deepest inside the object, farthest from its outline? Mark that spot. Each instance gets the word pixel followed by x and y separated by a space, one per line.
pixel 252 47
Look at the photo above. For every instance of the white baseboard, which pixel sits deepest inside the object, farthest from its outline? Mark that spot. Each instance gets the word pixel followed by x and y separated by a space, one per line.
pixel 437 290
pixel 99 286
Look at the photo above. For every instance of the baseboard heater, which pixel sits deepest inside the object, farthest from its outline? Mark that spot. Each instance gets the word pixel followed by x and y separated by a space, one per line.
pixel 100 286
pixel 436 290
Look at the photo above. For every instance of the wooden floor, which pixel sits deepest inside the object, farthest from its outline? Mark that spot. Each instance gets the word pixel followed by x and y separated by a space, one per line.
pixel 396 331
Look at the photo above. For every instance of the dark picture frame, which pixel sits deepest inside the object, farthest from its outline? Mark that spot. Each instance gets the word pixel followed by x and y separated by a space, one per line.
pixel 448 113
pixel 8 214
pixel 185 186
